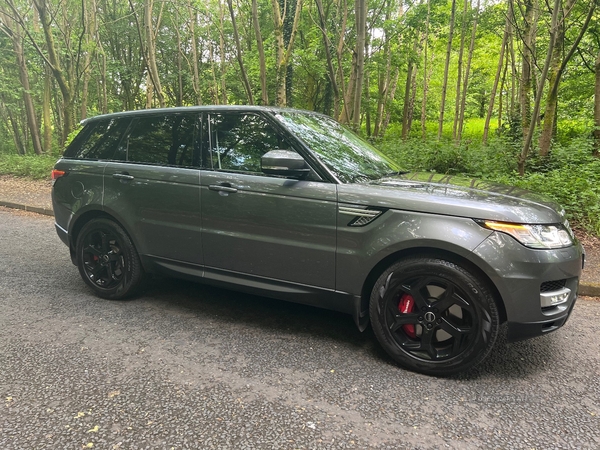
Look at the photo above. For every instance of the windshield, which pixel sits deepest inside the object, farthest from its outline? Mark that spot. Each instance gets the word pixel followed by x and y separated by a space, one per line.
pixel 350 158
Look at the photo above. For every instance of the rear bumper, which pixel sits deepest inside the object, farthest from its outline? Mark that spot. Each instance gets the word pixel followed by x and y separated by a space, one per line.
pixel 62 233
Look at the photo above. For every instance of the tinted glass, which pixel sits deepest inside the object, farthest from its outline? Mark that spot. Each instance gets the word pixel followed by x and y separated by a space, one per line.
pixel 162 140
pixel 239 140
pixel 348 156
pixel 98 139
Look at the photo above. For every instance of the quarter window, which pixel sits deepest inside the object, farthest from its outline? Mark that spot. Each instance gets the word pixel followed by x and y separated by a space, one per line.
pixel 98 140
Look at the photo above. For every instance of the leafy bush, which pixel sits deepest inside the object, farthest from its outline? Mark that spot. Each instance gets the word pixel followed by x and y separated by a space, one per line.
pixel 32 166
pixel 570 175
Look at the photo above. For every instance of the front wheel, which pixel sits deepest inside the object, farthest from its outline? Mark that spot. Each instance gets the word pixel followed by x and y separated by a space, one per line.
pixel 108 261
pixel 433 316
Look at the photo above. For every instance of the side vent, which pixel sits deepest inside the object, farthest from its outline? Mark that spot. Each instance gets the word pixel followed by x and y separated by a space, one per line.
pixel 361 215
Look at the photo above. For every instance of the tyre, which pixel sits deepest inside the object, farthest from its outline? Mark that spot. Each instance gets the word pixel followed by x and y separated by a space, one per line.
pixel 433 316
pixel 108 261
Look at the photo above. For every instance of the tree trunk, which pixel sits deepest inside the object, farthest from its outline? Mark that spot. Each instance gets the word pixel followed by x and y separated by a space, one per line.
pixel 179 96
pixel 283 53
pixel 538 97
pixel 238 48
pixel 32 124
pixel 367 100
pixel 222 55
pixel 463 101
pixel 558 65
pixel 515 86
pixel 490 111
pixel 413 96
pixel 46 112
pixel 361 30
pixel 502 88
pixel 151 52
pixel 149 91
pixel 597 107
pixel 425 75
pixel 391 96
pixel 330 69
pixel 194 64
pixel 261 55
pixel 446 68
pixel 383 82
pixel 526 65
pixel 16 133
pixel 459 69
pixel 344 116
pixel 406 112
pixel 53 62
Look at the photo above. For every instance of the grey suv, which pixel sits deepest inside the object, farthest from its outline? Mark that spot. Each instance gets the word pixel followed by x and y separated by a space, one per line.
pixel 290 204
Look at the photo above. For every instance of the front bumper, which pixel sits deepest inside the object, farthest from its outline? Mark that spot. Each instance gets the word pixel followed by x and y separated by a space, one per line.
pixel 517 331
pixel 522 276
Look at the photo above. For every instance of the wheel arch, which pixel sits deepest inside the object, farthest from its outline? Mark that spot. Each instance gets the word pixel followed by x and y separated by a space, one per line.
pixel 390 259
pixel 85 218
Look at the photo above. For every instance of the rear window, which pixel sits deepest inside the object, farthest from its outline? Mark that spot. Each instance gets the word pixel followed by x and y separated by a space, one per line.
pixel 98 139
pixel 161 140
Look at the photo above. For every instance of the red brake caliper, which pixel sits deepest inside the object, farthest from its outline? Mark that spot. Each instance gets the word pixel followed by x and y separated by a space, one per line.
pixel 407 305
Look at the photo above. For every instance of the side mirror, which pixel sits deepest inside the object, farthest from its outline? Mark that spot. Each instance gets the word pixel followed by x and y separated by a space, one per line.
pixel 284 163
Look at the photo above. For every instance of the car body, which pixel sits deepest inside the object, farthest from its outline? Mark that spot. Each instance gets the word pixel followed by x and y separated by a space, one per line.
pixel 290 204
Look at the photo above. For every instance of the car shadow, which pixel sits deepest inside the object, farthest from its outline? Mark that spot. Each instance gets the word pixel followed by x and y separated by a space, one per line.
pixel 507 360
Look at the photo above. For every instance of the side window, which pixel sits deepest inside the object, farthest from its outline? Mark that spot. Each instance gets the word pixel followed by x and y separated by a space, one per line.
pixel 162 140
pixel 238 141
pixel 98 139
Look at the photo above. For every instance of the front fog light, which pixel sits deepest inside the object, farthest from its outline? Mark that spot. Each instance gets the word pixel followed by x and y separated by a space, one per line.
pixel 554 298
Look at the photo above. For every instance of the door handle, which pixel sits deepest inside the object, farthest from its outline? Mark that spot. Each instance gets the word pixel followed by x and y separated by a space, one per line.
pixel 123 176
pixel 223 187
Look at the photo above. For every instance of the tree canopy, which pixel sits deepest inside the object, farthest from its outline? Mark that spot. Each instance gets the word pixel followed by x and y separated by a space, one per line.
pixel 430 66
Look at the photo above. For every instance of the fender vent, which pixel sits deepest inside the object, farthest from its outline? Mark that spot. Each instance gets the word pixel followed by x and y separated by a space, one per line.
pixel 362 215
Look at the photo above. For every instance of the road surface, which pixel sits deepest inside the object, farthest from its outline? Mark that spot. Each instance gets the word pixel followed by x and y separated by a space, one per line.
pixel 193 367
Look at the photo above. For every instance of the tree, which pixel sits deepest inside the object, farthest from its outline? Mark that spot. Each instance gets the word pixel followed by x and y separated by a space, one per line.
pixel 284 52
pixel 554 24
pixel 446 70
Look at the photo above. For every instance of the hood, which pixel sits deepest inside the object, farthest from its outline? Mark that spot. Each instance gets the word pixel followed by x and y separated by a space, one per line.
pixel 454 196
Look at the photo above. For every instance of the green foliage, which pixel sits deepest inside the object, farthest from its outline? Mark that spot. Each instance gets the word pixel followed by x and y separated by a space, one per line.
pixel 36 167
pixel 570 175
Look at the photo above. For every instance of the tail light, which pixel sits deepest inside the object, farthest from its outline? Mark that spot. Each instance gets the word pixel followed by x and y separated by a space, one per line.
pixel 56 174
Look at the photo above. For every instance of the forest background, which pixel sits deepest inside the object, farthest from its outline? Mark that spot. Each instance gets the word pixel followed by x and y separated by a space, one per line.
pixel 507 91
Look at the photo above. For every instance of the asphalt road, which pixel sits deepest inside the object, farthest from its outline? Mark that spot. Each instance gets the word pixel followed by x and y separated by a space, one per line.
pixel 188 366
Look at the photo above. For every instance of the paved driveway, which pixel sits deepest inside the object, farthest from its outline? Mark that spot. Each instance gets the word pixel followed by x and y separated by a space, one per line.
pixel 188 366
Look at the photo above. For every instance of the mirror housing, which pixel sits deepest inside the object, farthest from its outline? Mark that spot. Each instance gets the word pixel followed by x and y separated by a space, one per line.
pixel 284 163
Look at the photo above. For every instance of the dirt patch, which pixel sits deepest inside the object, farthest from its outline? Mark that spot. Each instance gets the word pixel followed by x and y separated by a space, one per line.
pixel 27 192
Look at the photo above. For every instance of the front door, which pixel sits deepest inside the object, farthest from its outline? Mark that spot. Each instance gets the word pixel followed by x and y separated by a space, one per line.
pixel 263 225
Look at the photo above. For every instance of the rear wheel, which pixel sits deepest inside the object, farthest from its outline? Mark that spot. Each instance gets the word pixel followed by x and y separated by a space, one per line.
pixel 108 261
pixel 433 316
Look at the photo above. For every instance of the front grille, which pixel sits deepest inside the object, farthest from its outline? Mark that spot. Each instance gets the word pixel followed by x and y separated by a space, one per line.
pixel 556 285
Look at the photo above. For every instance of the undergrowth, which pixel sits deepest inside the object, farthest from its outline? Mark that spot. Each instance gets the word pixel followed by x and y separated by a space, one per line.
pixel 570 175
pixel 30 166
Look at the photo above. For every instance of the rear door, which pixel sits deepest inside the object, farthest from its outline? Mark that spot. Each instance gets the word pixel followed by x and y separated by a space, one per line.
pixel 262 225
pixel 154 189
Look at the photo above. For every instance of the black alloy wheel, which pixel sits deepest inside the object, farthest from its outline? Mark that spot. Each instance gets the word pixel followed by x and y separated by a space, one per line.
pixel 107 260
pixel 433 316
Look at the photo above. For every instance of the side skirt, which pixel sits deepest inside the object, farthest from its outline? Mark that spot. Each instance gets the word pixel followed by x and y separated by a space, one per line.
pixel 266 287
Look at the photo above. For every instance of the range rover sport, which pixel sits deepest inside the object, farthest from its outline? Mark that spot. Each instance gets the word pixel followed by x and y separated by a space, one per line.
pixel 290 204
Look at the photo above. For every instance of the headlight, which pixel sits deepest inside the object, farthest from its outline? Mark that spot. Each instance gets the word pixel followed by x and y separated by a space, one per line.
pixel 535 236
